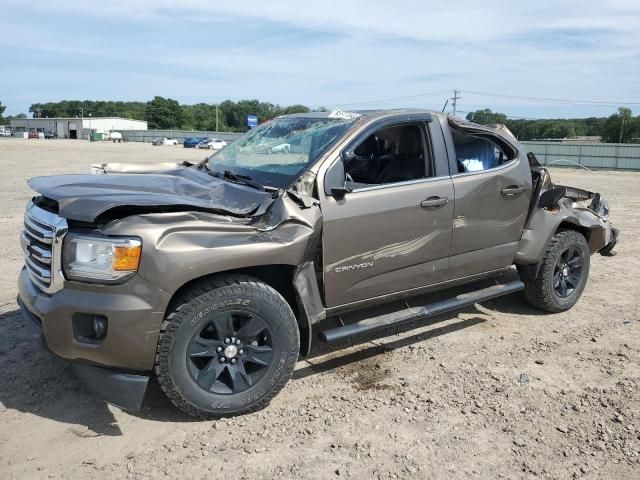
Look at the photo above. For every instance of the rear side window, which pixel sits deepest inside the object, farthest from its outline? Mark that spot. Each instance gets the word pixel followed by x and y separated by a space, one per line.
pixel 475 154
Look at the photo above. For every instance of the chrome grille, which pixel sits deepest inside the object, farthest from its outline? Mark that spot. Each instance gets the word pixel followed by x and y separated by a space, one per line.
pixel 41 242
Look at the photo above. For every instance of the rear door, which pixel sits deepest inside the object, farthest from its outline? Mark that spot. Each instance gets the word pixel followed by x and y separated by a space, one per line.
pixel 492 193
pixel 392 233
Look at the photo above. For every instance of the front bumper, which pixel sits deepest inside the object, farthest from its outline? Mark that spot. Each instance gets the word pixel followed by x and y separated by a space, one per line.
pixel 117 366
pixel 124 390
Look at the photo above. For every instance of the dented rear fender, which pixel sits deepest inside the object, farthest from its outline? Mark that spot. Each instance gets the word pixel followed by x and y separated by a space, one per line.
pixel 557 205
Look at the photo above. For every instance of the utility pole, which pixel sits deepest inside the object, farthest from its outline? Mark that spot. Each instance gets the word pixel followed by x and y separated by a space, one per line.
pixel 217 130
pixel 455 99
pixel 621 129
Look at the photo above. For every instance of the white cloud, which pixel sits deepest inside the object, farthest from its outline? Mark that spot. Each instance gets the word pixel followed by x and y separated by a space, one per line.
pixel 374 50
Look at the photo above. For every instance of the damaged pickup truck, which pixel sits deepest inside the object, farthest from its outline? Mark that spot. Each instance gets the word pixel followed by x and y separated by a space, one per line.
pixel 217 276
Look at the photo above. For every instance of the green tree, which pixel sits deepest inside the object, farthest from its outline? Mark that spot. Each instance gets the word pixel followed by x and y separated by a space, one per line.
pixel 202 116
pixel 486 117
pixel 2 109
pixel 168 113
pixel 97 108
pixel 621 127
pixel 296 109
pixel 163 113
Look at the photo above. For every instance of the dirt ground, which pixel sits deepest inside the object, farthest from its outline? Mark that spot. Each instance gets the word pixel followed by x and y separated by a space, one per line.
pixel 495 391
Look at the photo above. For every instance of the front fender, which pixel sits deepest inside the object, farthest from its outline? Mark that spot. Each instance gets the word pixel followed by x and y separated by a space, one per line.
pixel 183 246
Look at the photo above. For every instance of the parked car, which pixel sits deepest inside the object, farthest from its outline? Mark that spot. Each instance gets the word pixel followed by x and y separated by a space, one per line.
pixel 33 134
pixel 212 144
pixel 49 135
pixel 192 142
pixel 165 141
pixel 115 137
pixel 4 132
pixel 282 148
pixel 217 276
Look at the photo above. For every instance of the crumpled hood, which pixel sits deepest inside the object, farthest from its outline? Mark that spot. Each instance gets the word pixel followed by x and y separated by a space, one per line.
pixel 85 197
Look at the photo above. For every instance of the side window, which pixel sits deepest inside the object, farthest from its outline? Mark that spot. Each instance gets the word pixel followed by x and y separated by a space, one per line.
pixel 389 155
pixel 474 154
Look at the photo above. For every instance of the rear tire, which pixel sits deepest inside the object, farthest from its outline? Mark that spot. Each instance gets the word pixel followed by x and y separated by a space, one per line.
pixel 563 274
pixel 227 348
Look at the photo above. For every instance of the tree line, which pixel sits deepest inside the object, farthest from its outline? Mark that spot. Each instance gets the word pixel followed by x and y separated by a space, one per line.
pixel 230 116
pixel 167 113
pixel 621 127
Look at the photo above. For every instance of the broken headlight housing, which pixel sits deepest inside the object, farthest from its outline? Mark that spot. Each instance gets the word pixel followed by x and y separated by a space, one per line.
pixel 97 258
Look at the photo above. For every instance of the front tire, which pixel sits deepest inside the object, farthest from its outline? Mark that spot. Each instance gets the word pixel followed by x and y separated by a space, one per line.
pixel 563 274
pixel 228 347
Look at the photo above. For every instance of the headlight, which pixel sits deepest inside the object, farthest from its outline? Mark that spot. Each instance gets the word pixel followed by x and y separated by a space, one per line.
pixel 89 257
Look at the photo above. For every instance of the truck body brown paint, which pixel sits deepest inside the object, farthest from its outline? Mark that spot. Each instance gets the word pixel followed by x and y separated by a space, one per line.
pixel 334 249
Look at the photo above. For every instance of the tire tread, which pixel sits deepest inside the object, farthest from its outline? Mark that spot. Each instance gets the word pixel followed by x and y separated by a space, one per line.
pixel 536 290
pixel 185 304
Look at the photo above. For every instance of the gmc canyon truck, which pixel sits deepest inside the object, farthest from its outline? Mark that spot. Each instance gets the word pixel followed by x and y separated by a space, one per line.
pixel 217 276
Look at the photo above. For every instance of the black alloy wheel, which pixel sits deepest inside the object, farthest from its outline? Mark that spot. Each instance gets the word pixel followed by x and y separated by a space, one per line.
pixel 562 275
pixel 231 353
pixel 567 272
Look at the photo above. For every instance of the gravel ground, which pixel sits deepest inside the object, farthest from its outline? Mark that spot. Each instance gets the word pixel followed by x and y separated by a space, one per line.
pixel 495 391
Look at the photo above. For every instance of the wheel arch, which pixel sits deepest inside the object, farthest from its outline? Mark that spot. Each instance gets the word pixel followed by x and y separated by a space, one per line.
pixel 288 280
pixel 531 254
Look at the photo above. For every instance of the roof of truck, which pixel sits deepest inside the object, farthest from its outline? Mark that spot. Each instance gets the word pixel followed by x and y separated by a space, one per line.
pixel 355 114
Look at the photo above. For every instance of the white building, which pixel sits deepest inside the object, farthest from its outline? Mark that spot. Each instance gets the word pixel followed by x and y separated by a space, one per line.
pixel 75 127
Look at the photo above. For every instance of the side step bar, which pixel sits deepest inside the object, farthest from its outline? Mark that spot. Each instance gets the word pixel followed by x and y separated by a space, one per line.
pixel 395 319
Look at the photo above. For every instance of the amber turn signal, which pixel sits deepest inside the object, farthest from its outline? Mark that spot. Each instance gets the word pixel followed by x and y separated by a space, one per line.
pixel 126 258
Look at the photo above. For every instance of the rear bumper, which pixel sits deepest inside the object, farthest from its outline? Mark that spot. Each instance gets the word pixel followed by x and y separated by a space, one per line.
pixel 607 250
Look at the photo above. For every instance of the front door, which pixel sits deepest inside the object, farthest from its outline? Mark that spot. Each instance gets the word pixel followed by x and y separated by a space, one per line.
pixel 392 233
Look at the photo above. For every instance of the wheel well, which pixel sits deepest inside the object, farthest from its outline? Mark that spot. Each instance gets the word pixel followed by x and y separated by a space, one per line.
pixel 280 277
pixel 586 233
pixel 531 271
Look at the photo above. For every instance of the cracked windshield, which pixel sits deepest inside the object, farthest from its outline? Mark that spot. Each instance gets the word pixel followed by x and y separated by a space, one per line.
pixel 275 153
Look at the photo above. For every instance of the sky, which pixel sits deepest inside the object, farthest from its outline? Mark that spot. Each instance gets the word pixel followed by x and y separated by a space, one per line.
pixel 338 54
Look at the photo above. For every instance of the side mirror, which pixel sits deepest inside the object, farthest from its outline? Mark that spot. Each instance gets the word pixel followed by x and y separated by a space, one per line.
pixel 339 192
pixel 335 180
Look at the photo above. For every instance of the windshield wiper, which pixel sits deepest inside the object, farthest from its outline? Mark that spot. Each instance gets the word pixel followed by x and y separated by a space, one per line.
pixel 246 179
pixel 229 176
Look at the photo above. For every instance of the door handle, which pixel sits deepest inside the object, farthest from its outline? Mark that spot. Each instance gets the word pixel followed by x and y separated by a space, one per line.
pixel 434 202
pixel 512 191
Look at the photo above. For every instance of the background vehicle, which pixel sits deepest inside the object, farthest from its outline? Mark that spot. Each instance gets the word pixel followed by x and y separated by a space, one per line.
pixel 4 132
pixel 165 141
pixel 282 148
pixel 33 134
pixel 115 137
pixel 192 142
pixel 217 276
pixel 212 144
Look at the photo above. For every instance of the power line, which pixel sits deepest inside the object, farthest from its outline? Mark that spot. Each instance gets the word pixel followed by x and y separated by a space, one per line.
pixel 430 94
pixel 604 103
